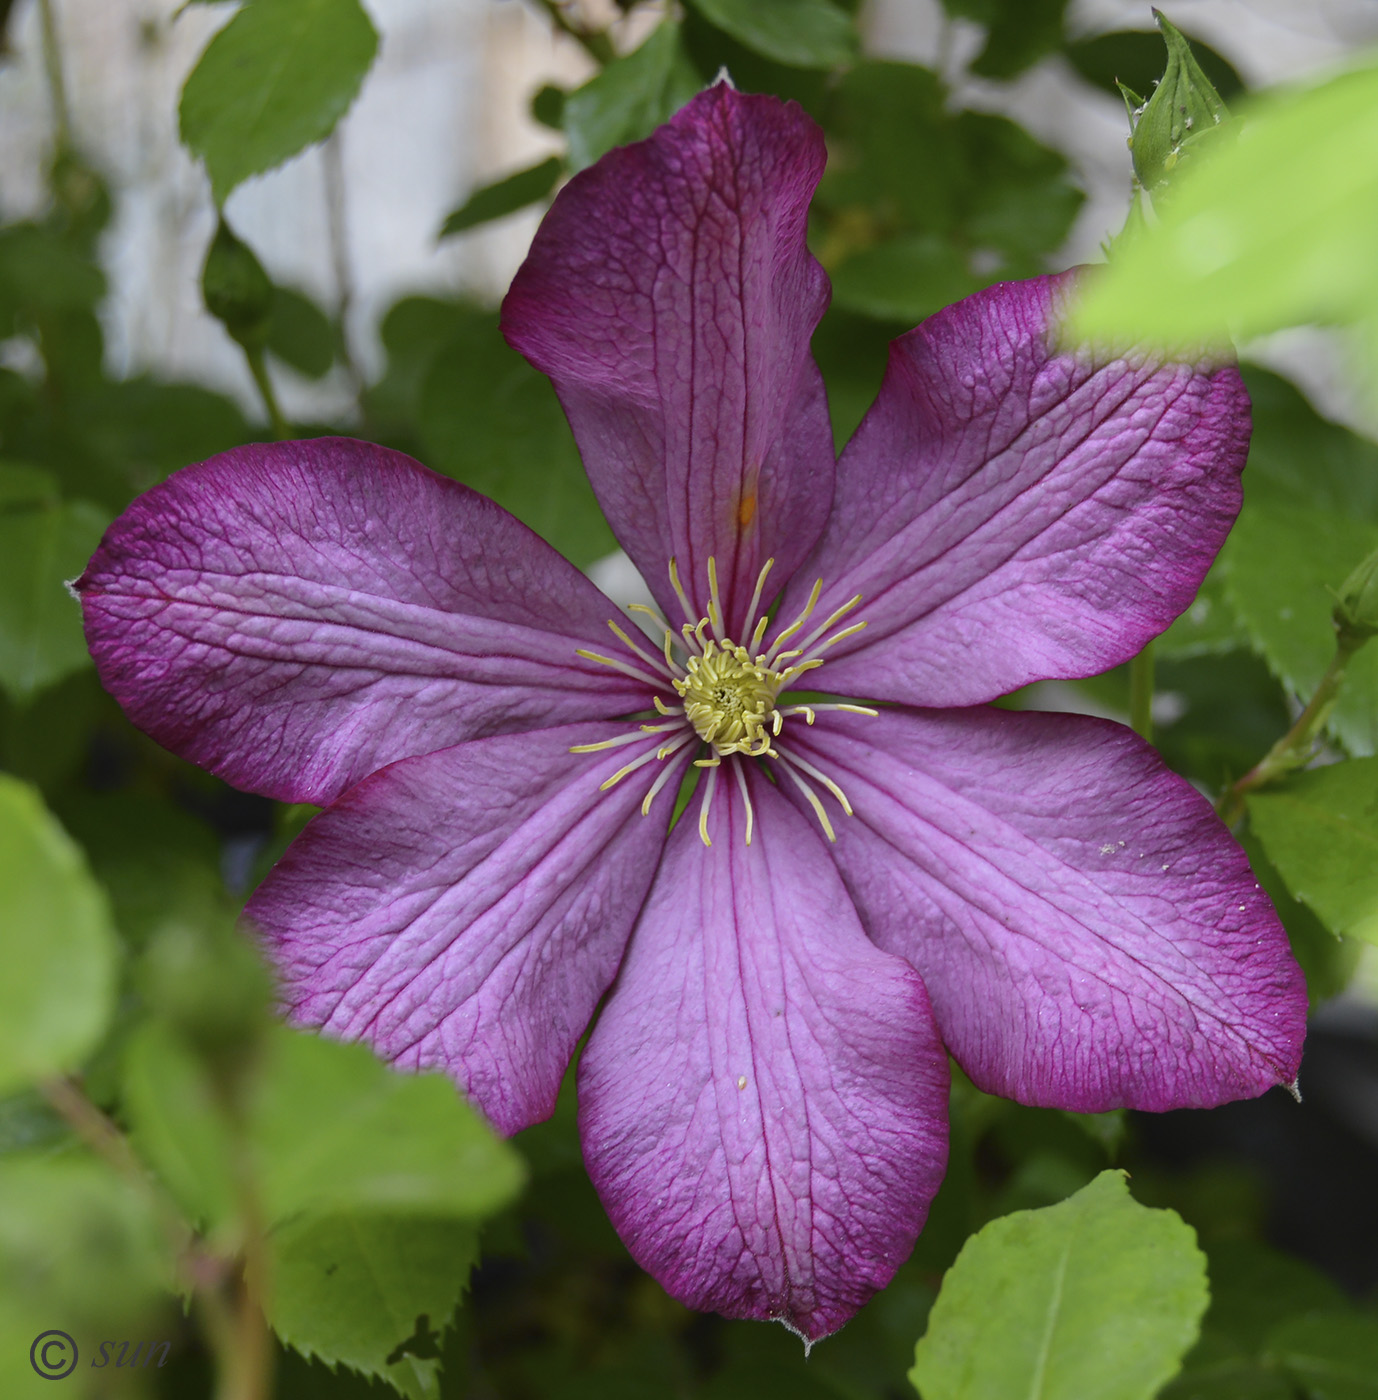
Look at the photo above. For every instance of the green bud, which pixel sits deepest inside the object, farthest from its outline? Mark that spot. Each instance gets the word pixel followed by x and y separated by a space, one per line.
pixel 1184 110
pixel 1356 606
pixel 208 981
pixel 236 289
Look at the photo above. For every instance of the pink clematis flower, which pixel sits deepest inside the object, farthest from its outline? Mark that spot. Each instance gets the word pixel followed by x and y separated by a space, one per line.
pixel 857 889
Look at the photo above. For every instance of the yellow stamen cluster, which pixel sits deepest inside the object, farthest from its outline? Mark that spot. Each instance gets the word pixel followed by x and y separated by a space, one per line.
pixel 729 698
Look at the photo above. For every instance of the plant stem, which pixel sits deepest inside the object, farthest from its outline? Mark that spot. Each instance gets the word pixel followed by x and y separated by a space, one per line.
pixel 594 41
pixel 1295 747
pixel 1141 693
pixel 282 429
pixel 52 63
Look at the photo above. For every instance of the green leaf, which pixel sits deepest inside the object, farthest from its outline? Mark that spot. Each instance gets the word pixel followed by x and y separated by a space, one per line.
pixel 300 333
pixel 1096 1298
pixel 1280 564
pixel 42 545
pixel 1020 33
pixel 904 279
pixel 334 1128
pixel 82 1253
pixel 489 419
pixel 630 97
pixel 1320 828
pixel 1209 626
pixel 58 947
pixel 353 1288
pixel 1332 1356
pixel 504 196
pixel 331 1129
pixel 1264 232
pixel 800 33
pixel 276 79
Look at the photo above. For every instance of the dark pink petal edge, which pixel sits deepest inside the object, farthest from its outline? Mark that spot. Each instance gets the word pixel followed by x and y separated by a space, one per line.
pixel 465 910
pixel 1090 934
pixel 1011 510
pixel 670 296
pixel 293 616
pixel 763 1102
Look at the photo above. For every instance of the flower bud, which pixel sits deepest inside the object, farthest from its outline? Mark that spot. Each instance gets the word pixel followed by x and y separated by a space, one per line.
pixel 1184 109
pixel 236 289
pixel 1356 606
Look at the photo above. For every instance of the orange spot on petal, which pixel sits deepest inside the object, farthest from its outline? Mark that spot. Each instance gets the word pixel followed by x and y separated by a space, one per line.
pixel 746 509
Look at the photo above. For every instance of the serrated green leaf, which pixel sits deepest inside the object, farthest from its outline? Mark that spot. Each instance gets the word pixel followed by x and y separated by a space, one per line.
pixel 1331 1356
pixel 1264 232
pixel 352 1289
pixel 630 97
pixel 504 196
pixel 800 33
pixel 334 1128
pixel 489 419
pixel 1320 828
pixel 56 943
pixel 41 547
pixel 1097 1298
pixel 275 80
pixel 1280 565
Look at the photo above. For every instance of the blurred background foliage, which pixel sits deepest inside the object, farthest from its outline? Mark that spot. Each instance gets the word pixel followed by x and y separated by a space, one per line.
pixel 165 1150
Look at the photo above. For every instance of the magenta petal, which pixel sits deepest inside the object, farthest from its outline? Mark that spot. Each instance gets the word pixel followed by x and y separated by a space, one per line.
pixel 1010 513
pixel 295 616
pixel 465 910
pixel 763 1101
pixel 1090 934
pixel 670 296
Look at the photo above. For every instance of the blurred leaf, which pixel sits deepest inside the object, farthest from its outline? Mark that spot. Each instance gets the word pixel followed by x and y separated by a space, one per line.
pixel 905 279
pixel 1255 1288
pixel 548 106
pixel 274 80
pixel 332 1130
pixel 1331 1356
pixel 413 331
pixel 41 547
pixel 43 273
pixel 1274 229
pixel 504 196
pixel 1093 1299
pixel 335 1128
pixel 489 419
pixel 1320 828
pixel 59 954
pixel 1019 32
pixel 630 97
pixel 801 33
pixel 300 333
pixel 81 1253
pixel 1135 57
pixel 177 1126
pixel 352 1288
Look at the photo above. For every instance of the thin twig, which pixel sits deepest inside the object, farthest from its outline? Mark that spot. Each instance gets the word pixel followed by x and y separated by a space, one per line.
pixel 1141 693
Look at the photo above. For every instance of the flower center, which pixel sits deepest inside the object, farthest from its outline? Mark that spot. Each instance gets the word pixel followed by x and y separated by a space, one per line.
pixel 729 698
pixel 729 692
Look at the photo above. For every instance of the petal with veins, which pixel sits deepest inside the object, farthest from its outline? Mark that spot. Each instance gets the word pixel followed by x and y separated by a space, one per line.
pixel 1090 934
pixel 465 910
pixel 1011 512
pixel 293 616
pixel 763 1101
pixel 670 296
